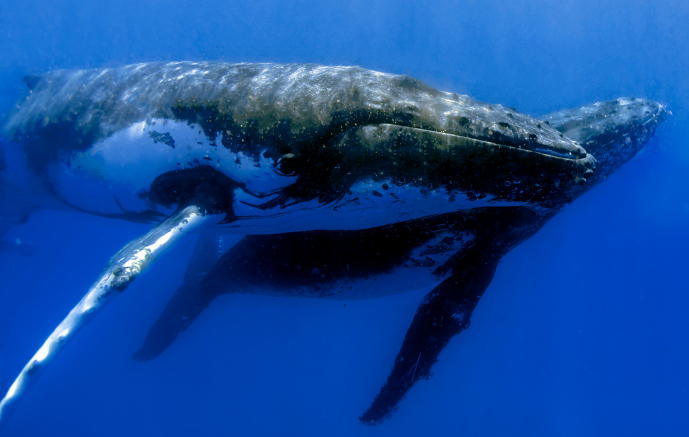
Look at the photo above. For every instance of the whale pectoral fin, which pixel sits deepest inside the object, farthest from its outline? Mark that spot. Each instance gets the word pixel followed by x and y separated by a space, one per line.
pixel 121 270
pixel 443 313
pixel 189 300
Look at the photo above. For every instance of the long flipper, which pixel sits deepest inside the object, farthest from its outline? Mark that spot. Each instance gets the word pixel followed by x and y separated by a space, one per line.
pixel 444 313
pixel 122 269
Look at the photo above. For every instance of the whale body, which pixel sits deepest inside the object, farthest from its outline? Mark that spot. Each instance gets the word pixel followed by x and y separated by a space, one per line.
pixel 288 147
pixel 348 183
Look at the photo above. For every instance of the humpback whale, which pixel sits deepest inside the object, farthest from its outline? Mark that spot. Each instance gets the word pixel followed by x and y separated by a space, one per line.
pixel 343 178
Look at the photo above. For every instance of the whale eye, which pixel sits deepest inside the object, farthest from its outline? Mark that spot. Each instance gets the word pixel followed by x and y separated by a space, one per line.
pixel 282 167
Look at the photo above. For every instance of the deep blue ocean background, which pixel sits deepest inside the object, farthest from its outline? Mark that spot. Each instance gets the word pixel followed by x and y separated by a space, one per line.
pixel 583 332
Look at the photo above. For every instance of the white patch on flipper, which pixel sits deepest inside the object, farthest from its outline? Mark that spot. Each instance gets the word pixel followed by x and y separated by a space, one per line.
pixel 121 270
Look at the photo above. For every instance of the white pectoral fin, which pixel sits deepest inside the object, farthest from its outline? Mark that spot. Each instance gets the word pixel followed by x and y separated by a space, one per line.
pixel 122 269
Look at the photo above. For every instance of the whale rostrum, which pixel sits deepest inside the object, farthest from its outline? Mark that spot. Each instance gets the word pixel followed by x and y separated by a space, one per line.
pixel 347 183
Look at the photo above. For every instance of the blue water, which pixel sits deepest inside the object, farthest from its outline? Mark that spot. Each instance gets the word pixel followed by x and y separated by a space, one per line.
pixel 584 330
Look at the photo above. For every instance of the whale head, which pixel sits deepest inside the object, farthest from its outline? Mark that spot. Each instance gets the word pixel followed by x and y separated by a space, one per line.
pixel 613 132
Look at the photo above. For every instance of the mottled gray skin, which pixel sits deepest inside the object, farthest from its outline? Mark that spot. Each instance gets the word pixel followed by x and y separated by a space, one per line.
pixel 101 101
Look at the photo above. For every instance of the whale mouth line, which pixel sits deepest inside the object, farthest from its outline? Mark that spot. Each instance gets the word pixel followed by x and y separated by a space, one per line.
pixel 463 140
